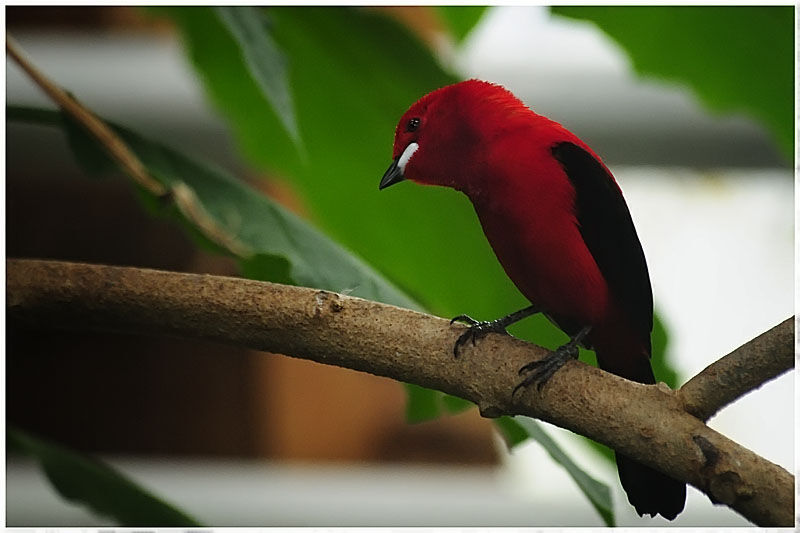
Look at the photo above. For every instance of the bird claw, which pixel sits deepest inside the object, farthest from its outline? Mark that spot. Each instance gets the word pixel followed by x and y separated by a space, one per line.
pixel 464 318
pixel 477 330
pixel 543 369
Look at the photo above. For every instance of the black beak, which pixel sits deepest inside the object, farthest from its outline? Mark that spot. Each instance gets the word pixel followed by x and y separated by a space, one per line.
pixel 393 175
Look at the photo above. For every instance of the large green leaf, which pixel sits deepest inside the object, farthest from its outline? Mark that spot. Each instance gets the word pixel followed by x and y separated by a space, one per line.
pixel 597 492
pixel 98 486
pixel 283 246
pixel 265 61
pixel 736 58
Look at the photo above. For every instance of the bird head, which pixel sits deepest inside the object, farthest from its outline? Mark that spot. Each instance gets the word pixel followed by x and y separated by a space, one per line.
pixel 441 136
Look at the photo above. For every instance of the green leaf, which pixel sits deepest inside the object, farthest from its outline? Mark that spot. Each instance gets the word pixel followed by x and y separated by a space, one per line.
pixel 735 58
pixel 264 60
pixel 265 267
pixel 460 19
pixel 513 433
pixel 96 162
pixel 98 486
pixel 425 404
pixel 601 449
pixel 598 493
pixel 422 404
pixel 271 232
pixel 454 404
pixel 660 341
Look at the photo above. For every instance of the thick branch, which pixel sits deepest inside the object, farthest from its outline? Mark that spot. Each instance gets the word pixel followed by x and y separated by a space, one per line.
pixel 645 422
pixel 746 368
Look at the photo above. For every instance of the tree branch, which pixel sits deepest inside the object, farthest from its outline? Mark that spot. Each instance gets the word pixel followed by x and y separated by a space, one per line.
pixel 117 149
pixel 746 368
pixel 645 422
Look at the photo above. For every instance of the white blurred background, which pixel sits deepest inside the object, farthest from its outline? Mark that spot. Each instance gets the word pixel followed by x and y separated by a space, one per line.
pixel 714 207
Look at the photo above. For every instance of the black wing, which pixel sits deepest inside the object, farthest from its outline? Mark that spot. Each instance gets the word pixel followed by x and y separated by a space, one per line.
pixel 606 226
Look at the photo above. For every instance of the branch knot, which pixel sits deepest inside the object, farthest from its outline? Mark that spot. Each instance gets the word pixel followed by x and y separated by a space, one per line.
pixel 325 301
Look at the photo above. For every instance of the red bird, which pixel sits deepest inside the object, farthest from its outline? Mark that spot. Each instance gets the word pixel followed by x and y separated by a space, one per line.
pixel 556 219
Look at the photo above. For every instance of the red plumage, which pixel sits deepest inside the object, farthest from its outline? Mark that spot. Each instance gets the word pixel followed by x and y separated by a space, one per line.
pixel 480 139
pixel 557 221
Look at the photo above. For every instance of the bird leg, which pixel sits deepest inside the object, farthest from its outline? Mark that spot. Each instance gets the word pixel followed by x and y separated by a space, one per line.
pixel 478 330
pixel 543 369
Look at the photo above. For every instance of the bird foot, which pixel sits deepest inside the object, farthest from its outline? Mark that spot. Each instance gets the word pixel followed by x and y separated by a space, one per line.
pixel 543 369
pixel 477 330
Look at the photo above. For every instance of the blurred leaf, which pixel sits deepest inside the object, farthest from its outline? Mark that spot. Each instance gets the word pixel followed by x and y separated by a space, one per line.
pixel 518 429
pixel 513 433
pixel 660 341
pixel 461 19
pixel 422 404
pixel 601 450
pixel 95 161
pixel 425 404
pixel 265 267
pixel 270 231
pixel 597 492
pixel 455 405
pixel 264 60
pixel 98 486
pixel 735 58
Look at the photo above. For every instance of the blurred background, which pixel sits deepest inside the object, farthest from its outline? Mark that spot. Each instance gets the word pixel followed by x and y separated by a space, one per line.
pixel 236 437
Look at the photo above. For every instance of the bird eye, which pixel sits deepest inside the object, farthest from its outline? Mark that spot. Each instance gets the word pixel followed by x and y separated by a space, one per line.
pixel 413 124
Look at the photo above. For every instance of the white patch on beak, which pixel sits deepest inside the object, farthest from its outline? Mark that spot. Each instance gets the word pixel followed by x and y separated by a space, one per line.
pixel 407 153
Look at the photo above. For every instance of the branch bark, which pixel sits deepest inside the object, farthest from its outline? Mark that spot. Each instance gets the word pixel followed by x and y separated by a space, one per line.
pixel 748 367
pixel 645 422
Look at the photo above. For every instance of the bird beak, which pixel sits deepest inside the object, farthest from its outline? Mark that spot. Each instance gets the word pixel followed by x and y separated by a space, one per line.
pixel 393 174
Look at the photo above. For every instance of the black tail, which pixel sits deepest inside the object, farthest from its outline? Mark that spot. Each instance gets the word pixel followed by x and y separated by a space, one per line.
pixel 648 490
